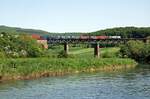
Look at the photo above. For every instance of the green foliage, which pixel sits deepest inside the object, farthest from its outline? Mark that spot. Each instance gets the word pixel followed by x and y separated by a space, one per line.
pixel 15 30
pixel 63 54
pixel 125 32
pixel 109 52
pixel 136 50
pixel 28 66
pixel 2 54
pixel 146 53
pixel 15 46
pixel 79 52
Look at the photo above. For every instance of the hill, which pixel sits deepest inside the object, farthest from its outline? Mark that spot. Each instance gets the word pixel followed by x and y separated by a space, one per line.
pixel 16 30
pixel 125 32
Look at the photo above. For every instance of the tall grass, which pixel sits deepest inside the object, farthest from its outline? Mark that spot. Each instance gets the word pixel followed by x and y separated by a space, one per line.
pixel 27 66
pixel 21 68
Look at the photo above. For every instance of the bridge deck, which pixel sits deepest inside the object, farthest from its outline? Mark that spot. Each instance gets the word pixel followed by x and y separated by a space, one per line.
pixel 117 40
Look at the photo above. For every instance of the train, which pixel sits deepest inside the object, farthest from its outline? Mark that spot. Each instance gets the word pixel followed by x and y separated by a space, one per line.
pixel 82 37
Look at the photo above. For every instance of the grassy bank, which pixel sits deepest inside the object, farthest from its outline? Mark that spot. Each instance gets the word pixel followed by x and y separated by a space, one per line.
pixel 28 68
pixel 80 52
pixel 88 52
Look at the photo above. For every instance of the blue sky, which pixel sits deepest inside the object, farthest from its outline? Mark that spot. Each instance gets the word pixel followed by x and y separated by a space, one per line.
pixel 74 15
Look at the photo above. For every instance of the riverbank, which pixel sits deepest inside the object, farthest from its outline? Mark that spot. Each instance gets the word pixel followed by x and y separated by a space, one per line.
pixel 32 68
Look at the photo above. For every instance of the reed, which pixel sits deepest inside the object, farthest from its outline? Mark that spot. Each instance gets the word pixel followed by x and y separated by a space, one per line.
pixel 26 68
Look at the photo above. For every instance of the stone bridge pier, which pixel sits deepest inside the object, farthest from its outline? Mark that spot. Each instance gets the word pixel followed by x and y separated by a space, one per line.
pixel 66 47
pixel 96 50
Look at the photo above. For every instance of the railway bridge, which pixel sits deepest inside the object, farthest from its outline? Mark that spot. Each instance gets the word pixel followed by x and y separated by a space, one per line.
pixel 95 42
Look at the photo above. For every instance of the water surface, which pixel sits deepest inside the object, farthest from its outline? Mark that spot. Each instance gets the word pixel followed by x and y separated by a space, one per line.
pixel 128 84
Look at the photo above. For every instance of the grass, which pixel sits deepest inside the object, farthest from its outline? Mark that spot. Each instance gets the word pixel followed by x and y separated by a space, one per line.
pixel 13 68
pixel 27 68
pixel 88 52
pixel 80 52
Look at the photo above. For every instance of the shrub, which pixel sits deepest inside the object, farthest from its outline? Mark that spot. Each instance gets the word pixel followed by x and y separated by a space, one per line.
pixel 15 46
pixel 136 50
pixel 146 53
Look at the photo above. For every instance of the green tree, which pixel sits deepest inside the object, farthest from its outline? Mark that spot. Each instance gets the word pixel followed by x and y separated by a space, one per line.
pixel 19 46
pixel 136 50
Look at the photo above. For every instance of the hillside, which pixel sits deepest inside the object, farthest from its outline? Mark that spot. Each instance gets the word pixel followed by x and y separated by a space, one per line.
pixel 124 32
pixel 21 30
pixel 32 31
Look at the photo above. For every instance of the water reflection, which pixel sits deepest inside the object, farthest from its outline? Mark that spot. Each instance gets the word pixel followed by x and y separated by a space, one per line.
pixel 128 84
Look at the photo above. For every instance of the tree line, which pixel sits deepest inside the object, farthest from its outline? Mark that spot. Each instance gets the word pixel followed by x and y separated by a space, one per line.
pixel 125 32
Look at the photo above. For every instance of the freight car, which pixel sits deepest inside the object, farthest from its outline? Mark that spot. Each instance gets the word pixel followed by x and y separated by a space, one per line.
pixel 82 37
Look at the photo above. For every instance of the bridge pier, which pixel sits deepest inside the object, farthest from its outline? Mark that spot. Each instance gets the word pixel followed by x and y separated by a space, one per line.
pixel 147 40
pixel 96 50
pixel 66 48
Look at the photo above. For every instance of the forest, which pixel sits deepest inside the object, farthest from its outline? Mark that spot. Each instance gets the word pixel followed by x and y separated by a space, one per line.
pixel 124 32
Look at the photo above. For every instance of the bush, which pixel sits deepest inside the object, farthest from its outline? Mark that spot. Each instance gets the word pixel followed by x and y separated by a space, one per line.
pixel 15 46
pixel 136 50
pixel 146 53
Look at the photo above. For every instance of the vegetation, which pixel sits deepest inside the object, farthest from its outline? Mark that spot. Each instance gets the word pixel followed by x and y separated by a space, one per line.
pixel 17 62
pixel 125 32
pixel 112 52
pixel 15 30
pixel 14 63
pixel 15 46
pixel 136 50
pixel 80 52
pixel 21 68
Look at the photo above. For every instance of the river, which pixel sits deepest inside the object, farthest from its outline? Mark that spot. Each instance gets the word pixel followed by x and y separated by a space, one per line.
pixel 127 84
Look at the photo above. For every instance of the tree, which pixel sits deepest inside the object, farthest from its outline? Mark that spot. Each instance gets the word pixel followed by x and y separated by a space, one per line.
pixel 19 46
pixel 136 50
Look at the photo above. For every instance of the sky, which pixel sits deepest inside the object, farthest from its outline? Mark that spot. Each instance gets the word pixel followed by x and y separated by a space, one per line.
pixel 74 15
